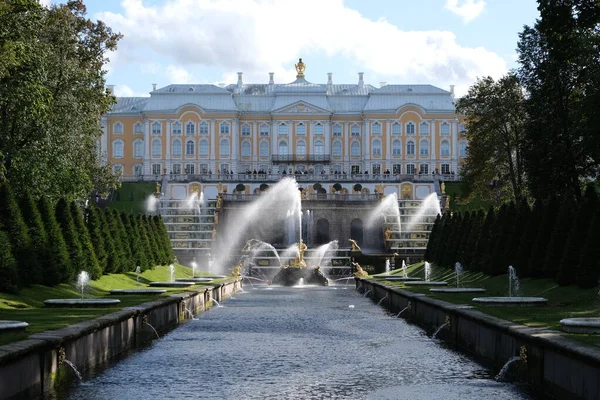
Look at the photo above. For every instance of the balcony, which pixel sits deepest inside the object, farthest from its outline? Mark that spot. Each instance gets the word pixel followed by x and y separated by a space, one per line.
pixel 300 158
pixel 320 197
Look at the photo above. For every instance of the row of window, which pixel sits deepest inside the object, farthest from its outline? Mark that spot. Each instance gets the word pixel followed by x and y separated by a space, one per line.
pixel 246 151
pixel 189 168
pixel 224 129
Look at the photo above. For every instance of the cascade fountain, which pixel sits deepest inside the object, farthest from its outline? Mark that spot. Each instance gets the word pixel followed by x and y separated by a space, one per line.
pixel 430 206
pixel 82 281
pixel 427 281
pixel 403 278
pixel 511 300
pixel 458 270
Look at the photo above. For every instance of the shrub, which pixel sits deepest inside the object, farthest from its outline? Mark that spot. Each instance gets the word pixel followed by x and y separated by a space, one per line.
pixel 91 262
pixel 337 187
pixel 357 187
pixel 69 232
pixel 39 241
pixel 58 265
pixel 8 266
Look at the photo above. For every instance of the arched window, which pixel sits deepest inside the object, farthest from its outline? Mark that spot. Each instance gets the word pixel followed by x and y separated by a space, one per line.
pixel 190 129
pixel 410 128
pixel 203 148
pixel 225 129
pixel 283 148
pixel 319 148
pixel 376 128
pixel 376 147
pixel 283 129
pixel 301 148
pixel 245 130
pixel 355 130
pixel 337 130
pixel 138 128
pixel 138 148
pixel 118 148
pixel 176 148
pixel 318 129
pixel 445 148
pixel 396 128
pixel 156 148
pixel 118 128
pixel 189 148
pixel 203 128
pixel 410 148
pixel 264 149
pixel 246 149
pixel 355 149
pixel 424 147
pixel 396 148
pixel 176 128
pixel 224 148
pixel 264 130
pixel 300 129
pixel 424 128
pixel 156 128
pixel 445 129
pixel 337 149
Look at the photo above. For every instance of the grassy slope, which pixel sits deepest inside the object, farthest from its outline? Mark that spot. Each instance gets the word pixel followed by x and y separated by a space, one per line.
pixel 28 305
pixel 455 190
pixel 131 197
pixel 563 302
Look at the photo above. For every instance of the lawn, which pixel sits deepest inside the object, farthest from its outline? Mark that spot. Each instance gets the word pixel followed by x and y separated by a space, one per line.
pixel 132 196
pixel 563 301
pixel 455 190
pixel 28 305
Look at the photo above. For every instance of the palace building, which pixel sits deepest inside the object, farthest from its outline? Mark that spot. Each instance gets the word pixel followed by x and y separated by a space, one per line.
pixel 355 132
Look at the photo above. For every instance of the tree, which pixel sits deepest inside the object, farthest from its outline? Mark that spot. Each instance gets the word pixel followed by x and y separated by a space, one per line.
pixel 432 238
pixel 11 221
pixel 495 117
pixel 91 266
pixel 51 98
pixel 69 232
pixel 528 238
pixel 560 69
pixel 538 251
pixel 589 264
pixel 58 265
pixel 357 187
pixel 39 240
pixel 95 228
pixel 112 236
pixel 560 231
pixel 337 186
pixel 164 237
pixel 8 266
pixel 467 254
pixel 481 256
pixel 139 254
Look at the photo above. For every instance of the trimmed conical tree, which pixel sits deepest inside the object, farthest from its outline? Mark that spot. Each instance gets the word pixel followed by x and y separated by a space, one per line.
pixel 528 238
pixel 589 263
pixel 129 262
pixel 12 222
pixel 69 231
pixel 8 266
pixel 164 236
pixel 432 237
pixel 154 238
pixel 568 268
pixel 112 238
pixel 511 248
pixel 138 253
pixel 463 236
pixel 537 260
pixel 91 266
pixel 449 255
pixel 482 255
pixel 58 265
pixel 39 241
pixel 144 223
pixel 94 227
pixel 505 230
pixel 556 247
pixel 441 236
pixel 468 251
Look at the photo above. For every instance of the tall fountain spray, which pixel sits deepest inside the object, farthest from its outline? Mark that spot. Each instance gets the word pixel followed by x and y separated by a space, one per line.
pixel 172 272
pixel 388 208
pixel 458 269
pixel 513 282
pixel 82 280
pixel 151 203
pixel 427 271
pixel 404 271
pixel 269 212
pixel 429 207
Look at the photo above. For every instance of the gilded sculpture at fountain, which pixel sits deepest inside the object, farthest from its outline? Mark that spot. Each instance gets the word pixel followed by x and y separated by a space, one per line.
pixel 298 262
pixel 360 273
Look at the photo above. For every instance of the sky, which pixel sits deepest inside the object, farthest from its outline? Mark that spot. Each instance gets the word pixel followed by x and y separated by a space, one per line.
pixel 438 42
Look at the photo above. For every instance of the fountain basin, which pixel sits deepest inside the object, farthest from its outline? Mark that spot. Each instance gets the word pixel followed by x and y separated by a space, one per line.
pixel 458 290
pixel 10 326
pixel 430 283
pixel 402 279
pixel 211 276
pixel 194 280
pixel 291 277
pixel 137 291
pixel 80 303
pixel 172 284
pixel 511 301
pixel 580 325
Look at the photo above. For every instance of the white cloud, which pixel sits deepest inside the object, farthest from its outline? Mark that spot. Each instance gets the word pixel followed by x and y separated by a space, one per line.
pixel 45 3
pixel 259 36
pixel 468 10
pixel 126 91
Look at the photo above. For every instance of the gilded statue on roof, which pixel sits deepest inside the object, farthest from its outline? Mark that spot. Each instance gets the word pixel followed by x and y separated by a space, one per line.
pixel 300 67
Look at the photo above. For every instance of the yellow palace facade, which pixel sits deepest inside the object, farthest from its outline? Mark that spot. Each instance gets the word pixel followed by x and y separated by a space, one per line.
pixel 322 132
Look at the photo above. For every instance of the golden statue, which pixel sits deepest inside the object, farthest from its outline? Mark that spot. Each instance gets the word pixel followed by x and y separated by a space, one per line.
pixel 360 273
pixel 220 188
pixel 299 260
pixel 217 217
pixel 388 234
pixel 303 194
pixel 236 273
pixel 355 246
pixel 443 187
pixel 158 186
pixel 214 234
pixel 300 67
pixel 219 201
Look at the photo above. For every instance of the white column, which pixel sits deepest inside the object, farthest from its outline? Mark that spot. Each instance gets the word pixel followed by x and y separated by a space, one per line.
pixel 367 144
pixel 388 143
pixel 346 138
pixel 147 167
pixel 235 145
pixel 212 137
pixel 327 129
pixel 274 139
pixel 255 138
pixel 433 145
pixel 168 147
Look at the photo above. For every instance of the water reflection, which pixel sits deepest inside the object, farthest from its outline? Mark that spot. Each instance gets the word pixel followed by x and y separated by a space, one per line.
pixel 291 343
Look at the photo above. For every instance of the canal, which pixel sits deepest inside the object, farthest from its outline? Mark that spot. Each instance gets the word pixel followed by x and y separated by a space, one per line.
pixel 295 343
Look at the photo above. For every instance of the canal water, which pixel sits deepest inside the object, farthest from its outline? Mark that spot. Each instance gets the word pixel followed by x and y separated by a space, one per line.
pixel 296 343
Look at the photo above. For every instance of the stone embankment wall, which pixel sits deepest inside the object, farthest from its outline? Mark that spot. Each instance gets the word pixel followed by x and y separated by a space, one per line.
pixel 32 367
pixel 552 363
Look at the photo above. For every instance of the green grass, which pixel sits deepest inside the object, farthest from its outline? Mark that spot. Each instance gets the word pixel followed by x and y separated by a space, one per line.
pixel 457 203
pixel 563 301
pixel 131 197
pixel 28 305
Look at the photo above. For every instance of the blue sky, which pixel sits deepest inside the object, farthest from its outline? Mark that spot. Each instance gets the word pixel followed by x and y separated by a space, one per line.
pixel 441 42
